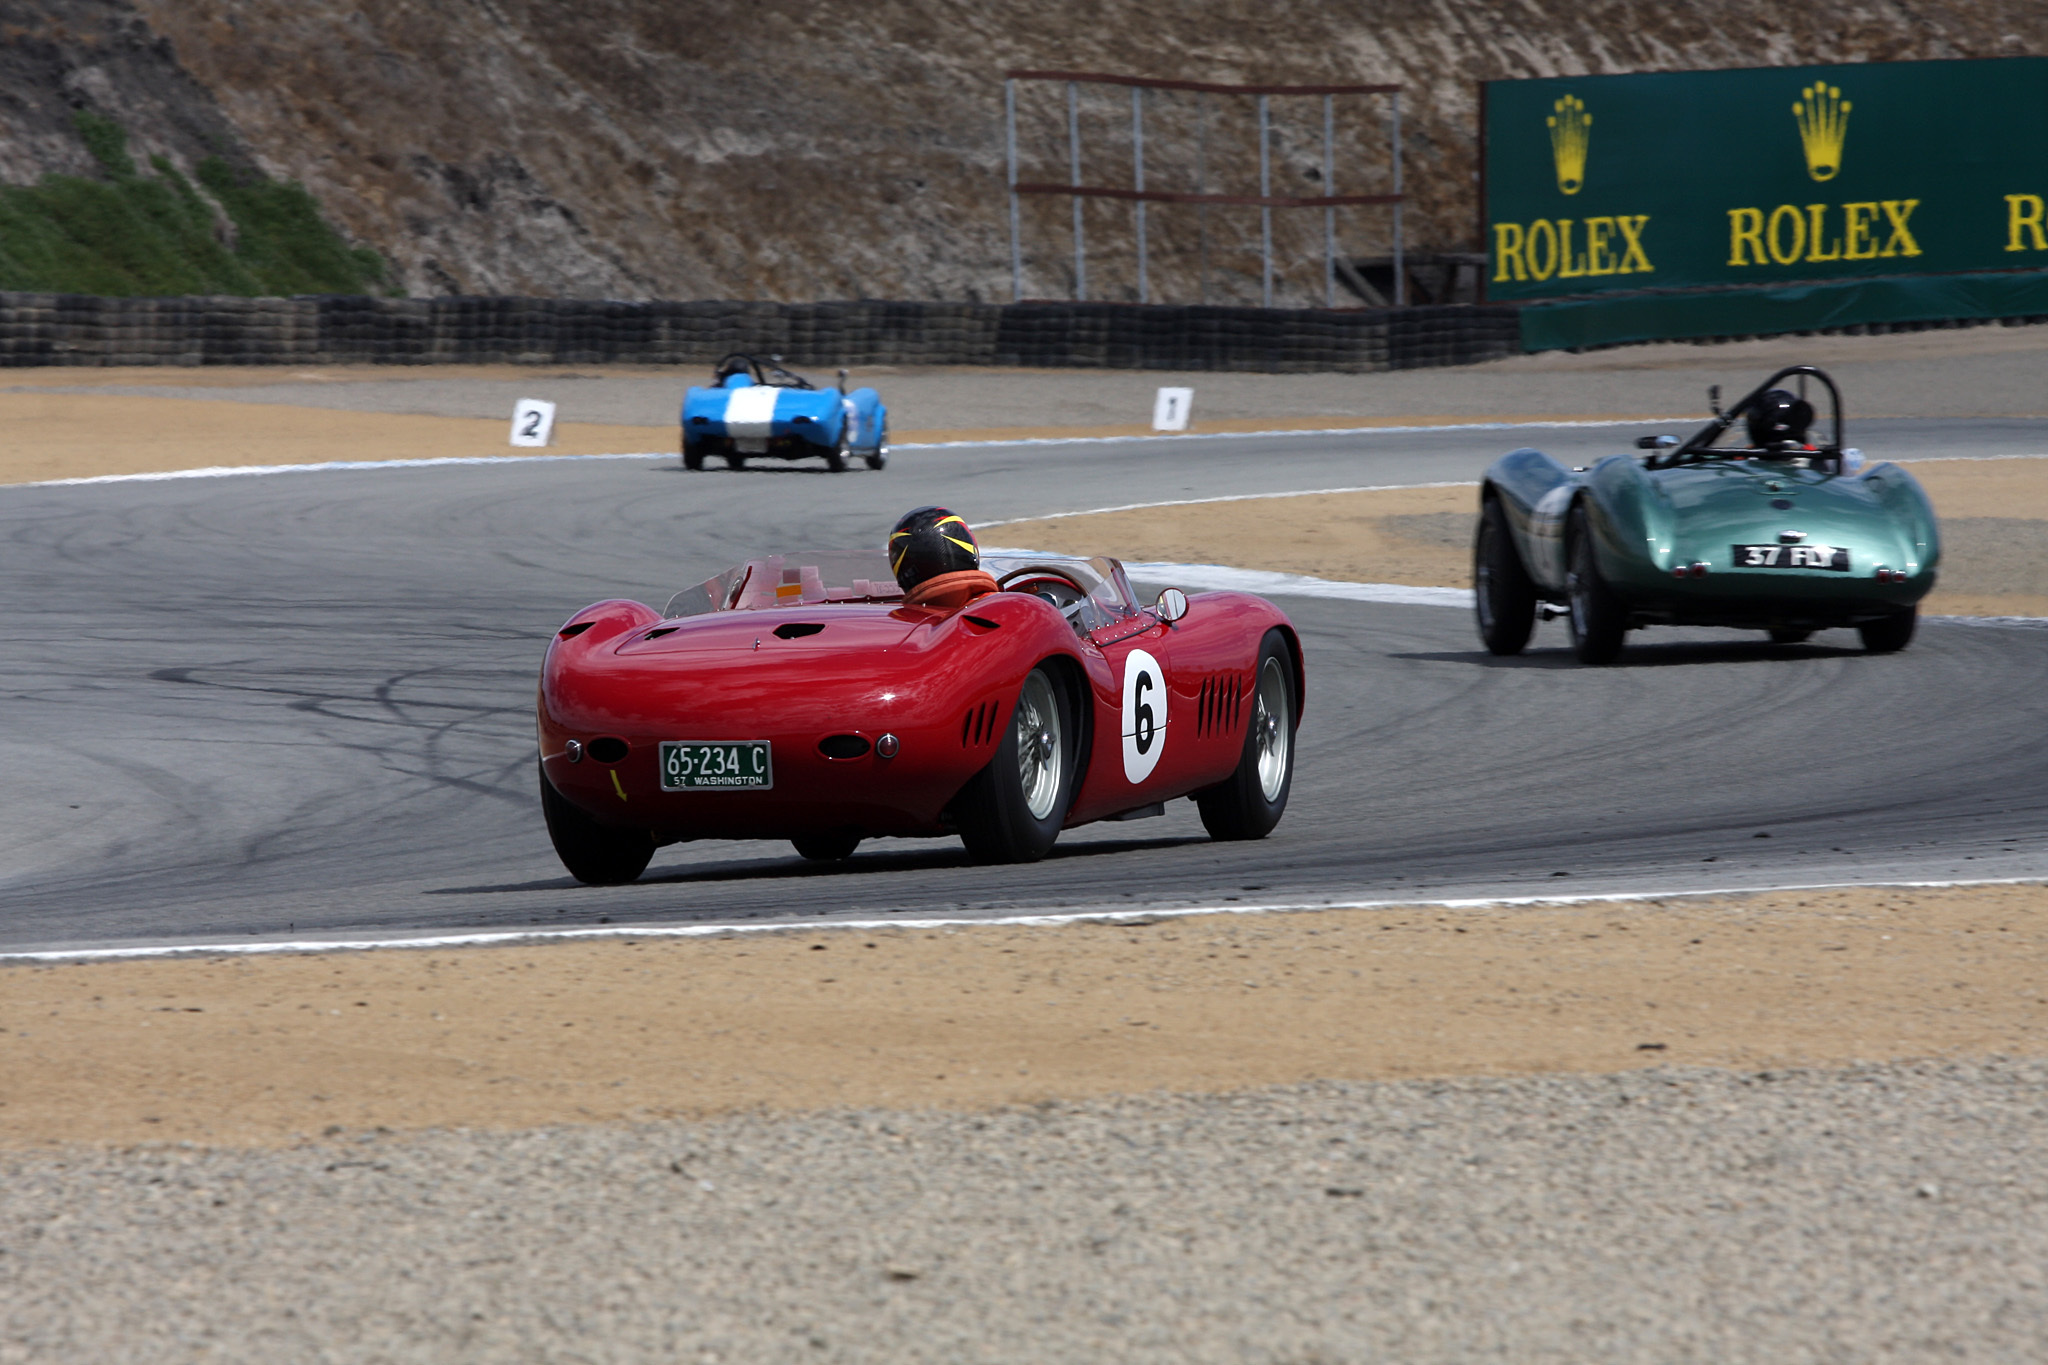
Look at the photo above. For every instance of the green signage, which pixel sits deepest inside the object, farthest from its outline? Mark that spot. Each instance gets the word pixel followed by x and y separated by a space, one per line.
pixel 1766 176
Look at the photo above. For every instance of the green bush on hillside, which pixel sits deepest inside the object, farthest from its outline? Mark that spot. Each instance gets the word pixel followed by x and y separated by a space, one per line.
pixel 156 234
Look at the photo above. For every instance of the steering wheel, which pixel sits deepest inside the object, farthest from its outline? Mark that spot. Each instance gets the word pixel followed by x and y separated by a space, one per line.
pixel 771 373
pixel 1042 571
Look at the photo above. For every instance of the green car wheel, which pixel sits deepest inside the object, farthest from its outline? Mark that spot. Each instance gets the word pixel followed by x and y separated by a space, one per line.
pixel 1598 619
pixel 1891 634
pixel 1502 591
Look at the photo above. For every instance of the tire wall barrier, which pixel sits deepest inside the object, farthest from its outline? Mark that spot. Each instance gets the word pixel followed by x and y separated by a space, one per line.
pixel 71 329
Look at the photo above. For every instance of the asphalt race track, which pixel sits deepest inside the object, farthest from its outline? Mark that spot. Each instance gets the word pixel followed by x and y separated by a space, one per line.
pixel 300 705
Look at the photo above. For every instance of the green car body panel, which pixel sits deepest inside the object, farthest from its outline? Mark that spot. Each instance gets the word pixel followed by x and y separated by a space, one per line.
pixel 1648 523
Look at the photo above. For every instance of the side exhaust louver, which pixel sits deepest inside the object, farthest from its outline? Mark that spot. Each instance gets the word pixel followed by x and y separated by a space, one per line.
pixel 978 726
pixel 1218 705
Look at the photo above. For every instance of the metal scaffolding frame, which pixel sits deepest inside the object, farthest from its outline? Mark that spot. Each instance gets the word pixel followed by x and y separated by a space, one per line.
pixel 1265 200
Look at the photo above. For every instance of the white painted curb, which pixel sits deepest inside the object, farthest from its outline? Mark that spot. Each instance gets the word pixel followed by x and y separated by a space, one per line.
pixel 1042 919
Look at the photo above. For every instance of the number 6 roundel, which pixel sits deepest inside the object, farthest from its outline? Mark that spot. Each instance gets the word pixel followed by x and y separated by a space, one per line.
pixel 1144 715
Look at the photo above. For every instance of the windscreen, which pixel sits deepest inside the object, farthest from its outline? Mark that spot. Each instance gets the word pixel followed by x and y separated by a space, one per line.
pixel 1099 592
pixel 792 580
pixel 1092 592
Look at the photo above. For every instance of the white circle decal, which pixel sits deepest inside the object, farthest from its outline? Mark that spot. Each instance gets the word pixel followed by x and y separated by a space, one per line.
pixel 1144 715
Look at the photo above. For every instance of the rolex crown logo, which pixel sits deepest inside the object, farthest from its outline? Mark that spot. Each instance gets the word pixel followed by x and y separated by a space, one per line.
pixel 1823 117
pixel 1571 127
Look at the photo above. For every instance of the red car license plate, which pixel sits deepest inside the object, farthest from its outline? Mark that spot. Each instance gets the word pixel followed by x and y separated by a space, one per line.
pixel 716 765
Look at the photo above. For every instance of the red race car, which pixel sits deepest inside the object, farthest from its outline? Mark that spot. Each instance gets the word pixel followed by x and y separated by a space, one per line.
pixel 799 697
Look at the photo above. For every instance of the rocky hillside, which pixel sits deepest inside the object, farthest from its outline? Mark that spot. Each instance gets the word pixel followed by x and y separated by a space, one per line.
pixel 781 149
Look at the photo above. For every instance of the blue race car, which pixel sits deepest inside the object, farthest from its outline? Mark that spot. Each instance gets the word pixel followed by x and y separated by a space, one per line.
pixel 757 408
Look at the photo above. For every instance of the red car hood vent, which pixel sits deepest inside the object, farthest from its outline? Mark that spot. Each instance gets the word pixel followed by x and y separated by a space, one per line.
pixel 782 630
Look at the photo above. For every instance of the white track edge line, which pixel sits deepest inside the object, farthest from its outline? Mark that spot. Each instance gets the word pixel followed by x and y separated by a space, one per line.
pixel 1229 579
pixel 231 471
pixel 342 466
pixel 327 466
pixel 1274 582
pixel 1040 919
pixel 1231 497
pixel 1560 423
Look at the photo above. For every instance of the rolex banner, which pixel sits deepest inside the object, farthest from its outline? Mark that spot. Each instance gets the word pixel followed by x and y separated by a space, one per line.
pixel 1765 178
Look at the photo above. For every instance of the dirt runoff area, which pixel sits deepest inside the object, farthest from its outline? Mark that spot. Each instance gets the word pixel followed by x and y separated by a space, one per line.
pixel 255 1051
pixel 1994 522
pixel 241 1050
pixel 60 422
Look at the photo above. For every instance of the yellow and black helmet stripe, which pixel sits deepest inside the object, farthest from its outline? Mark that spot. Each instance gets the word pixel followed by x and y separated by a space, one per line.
pixel 929 541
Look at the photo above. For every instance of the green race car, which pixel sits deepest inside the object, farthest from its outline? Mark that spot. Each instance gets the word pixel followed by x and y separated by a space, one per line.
pixel 1779 534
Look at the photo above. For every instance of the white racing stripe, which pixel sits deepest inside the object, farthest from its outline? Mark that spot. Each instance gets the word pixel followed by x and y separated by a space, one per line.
pixel 1040 919
pixel 750 411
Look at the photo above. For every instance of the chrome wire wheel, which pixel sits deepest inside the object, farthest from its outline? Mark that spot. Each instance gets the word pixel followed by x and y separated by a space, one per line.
pixel 1040 751
pixel 1576 583
pixel 1272 729
pixel 1599 617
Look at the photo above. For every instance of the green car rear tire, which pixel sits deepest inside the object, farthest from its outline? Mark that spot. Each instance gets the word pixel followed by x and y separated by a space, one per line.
pixel 1502 590
pixel 1890 635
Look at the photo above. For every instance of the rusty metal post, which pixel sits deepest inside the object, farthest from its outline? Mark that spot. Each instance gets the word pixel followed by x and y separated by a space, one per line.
pixel 1074 162
pixel 1400 271
pixel 1265 210
pixel 1202 187
pixel 1329 215
pixel 1138 169
pixel 1016 235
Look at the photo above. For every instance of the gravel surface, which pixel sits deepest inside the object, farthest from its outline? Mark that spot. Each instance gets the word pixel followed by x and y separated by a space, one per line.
pixel 1881 1213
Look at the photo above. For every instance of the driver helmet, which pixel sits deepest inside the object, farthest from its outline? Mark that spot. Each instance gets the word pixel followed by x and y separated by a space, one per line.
pixel 1779 419
pixel 930 541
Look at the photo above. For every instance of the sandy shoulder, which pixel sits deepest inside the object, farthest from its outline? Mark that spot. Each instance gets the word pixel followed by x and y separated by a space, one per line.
pixel 257 1050
pixel 53 432
pixel 57 435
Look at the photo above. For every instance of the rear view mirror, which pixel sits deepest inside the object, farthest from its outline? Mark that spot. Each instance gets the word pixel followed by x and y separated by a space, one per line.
pixel 1173 604
pixel 1655 442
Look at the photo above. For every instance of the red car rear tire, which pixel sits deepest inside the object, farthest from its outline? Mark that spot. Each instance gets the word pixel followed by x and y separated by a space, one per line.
pixel 596 855
pixel 827 847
